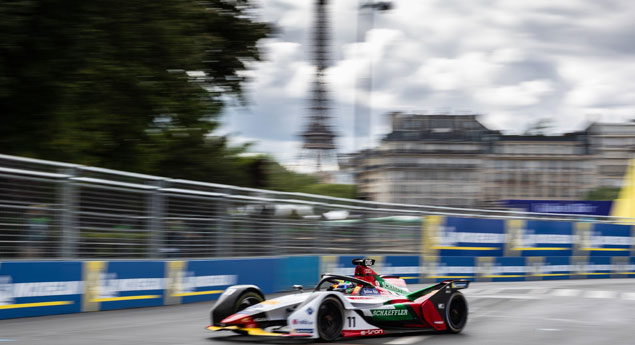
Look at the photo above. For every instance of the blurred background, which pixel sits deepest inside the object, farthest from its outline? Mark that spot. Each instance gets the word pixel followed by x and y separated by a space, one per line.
pixel 186 128
pixel 156 152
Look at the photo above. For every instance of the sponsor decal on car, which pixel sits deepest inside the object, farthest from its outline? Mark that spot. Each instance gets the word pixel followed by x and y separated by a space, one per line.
pixel 304 330
pixel 369 291
pixel 388 286
pixel 399 312
pixel 389 312
pixel 372 332
pixel 309 311
pixel 301 322
pixel 362 333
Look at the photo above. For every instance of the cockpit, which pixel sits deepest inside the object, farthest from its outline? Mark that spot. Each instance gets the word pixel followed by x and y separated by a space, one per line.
pixel 346 285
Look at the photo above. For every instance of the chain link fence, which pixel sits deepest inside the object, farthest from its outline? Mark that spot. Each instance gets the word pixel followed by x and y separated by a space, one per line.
pixel 57 210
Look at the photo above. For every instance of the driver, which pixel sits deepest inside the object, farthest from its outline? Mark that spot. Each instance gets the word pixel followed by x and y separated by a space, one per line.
pixel 344 287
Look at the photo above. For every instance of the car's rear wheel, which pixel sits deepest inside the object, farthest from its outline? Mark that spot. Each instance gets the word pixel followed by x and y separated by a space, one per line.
pixel 456 312
pixel 330 318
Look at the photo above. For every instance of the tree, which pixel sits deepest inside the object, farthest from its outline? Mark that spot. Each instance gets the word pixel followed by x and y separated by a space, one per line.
pixel 603 193
pixel 104 82
pixel 282 179
pixel 346 191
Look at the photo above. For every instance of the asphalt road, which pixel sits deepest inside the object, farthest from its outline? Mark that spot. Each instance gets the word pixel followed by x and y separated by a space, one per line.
pixel 595 311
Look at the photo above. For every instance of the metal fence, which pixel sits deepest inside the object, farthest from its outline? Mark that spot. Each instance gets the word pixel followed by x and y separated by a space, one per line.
pixel 57 210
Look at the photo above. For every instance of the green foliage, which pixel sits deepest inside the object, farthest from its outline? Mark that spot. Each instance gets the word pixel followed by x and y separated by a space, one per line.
pixel 336 190
pixel 282 179
pixel 603 193
pixel 103 83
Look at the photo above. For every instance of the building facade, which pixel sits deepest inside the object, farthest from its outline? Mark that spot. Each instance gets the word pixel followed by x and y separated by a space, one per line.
pixel 454 160
pixel 613 144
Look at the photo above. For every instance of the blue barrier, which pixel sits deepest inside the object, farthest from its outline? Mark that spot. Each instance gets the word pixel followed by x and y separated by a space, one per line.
pixel 555 267
pixel 599 267
pixel 297 270
pixel 455 267
pixel 455 236
pixel 40 288
pixel 608 240
pixel 47 288
pixel 471 237
pixel 131 284
pixel 407 267
pixel 547 238
pixel 505 269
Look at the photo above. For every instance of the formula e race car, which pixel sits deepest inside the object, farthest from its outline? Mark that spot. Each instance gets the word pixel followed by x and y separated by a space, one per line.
pixel 365 304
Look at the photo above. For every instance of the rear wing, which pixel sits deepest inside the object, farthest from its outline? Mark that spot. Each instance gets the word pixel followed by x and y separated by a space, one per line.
pixel 458 284
pixel 450 284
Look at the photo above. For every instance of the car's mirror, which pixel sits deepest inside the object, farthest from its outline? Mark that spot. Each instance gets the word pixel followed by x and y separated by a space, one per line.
pixel 298 288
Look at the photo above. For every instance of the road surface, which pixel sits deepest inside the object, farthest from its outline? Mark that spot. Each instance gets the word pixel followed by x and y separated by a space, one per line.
pixel 594 311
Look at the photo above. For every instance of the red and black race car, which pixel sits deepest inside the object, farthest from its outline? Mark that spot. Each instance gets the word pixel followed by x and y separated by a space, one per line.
pixel 365 304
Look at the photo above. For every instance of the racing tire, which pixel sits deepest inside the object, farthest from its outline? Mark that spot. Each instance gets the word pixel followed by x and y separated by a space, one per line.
pixel 247 299
pixel 330 318
pixel 456 313
pixel 240 299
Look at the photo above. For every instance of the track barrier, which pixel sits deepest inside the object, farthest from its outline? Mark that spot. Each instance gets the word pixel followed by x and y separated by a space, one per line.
pixel 61 287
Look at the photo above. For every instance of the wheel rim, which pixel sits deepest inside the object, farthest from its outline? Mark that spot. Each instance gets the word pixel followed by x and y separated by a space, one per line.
pixel 248 302
pixel 330 319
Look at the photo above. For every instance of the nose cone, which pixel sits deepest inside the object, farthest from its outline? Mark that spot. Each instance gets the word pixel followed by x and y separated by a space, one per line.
pixel 237 319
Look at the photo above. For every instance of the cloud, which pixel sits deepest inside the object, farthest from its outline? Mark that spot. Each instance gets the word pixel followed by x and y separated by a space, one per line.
pixel 513 61
pixel 523 94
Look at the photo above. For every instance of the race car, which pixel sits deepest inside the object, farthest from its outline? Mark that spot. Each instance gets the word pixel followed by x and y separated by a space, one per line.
pixel 365 304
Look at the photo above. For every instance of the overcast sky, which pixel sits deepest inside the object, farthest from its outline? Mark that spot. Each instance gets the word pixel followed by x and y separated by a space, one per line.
pixel 513 61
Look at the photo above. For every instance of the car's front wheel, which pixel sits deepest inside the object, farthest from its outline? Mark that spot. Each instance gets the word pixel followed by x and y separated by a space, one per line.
pixel 246 300
pixel 330 318
pixel 233 300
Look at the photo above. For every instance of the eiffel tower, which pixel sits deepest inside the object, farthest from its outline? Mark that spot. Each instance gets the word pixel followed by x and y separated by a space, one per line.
pixel 318 139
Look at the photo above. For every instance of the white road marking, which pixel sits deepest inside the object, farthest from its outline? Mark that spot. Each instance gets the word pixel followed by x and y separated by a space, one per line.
pixel 498 316
pixel 572 321
pixel 565 292
pixel 407 340
pixel 505 296
pixel 628 295
pixel 470 292
pixel 539 291
pixel 600 294
pixel 549 329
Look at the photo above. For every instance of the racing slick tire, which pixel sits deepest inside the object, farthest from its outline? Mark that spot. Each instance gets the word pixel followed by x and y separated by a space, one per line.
pixel 456 313
pixel 330 318
pixel 241 298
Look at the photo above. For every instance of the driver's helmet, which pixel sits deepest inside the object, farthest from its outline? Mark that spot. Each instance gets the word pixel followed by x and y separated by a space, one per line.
pixel 344 286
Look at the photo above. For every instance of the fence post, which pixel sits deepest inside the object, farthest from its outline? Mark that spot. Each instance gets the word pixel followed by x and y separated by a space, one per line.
pixel 155 211
pixel 223 236
pixel 323 231
pixel 69 199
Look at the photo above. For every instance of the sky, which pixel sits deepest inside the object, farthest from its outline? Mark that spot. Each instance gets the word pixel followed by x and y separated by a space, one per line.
pixel 514 62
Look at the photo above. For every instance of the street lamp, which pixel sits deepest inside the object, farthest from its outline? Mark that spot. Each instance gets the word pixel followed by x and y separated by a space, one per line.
pixel 365 7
